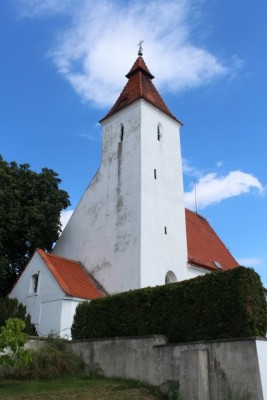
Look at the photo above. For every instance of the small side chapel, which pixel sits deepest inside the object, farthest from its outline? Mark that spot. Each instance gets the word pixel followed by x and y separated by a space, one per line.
pixel 130 229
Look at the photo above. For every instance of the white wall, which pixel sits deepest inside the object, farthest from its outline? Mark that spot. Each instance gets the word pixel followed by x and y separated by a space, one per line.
pixel 104 230
pixel 50 309
pixel 162 199
pixel 261 346
pixel 194 271
pixel 68 310
pixel 117 230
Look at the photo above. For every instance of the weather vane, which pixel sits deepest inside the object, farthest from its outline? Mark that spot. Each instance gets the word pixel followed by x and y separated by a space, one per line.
pixel 140 51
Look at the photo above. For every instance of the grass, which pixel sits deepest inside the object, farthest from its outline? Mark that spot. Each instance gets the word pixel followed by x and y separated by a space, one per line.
pixel 96 388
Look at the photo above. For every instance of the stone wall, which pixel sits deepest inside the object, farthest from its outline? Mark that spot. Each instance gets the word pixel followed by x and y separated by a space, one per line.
pixel 205 370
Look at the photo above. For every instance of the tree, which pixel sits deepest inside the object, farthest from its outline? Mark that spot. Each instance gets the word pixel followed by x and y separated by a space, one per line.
pixel 12 308
pixel 30 206
pixel 12 341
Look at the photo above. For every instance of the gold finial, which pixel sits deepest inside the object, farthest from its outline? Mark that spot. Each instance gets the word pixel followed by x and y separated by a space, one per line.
pixel 140 51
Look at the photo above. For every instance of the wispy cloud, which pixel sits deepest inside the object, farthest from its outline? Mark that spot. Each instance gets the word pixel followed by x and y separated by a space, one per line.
pixel 96 49
pixel 249 262
pixel 189 169
pixel 213 188
pixel 92 137
pixel 88 136
pixel 40 8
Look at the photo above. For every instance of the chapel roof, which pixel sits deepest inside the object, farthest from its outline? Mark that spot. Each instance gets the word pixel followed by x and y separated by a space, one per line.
pixel 73 279
pixel 139 86
pixel 204 245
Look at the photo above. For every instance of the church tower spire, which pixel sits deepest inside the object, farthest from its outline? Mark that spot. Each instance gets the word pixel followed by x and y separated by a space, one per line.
pixel 139 86
pixel 129 228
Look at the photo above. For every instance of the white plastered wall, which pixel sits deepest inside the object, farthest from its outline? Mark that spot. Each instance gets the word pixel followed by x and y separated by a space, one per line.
pixel 104 230
pixel 117 230
pixel 261 346
pixel 50 309
pixel 163 232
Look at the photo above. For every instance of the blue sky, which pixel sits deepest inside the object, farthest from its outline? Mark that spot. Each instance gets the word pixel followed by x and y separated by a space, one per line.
pixel 63 63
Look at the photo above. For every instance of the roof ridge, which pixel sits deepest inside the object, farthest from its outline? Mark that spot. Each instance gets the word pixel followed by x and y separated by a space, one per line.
pixel 195 213
pixel 58 256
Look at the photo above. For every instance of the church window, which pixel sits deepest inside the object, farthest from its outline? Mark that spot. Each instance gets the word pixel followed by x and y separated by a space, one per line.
pixel 34 283
pixel 159 132
pixel 155 174
pixel 170 277
pixel 121 132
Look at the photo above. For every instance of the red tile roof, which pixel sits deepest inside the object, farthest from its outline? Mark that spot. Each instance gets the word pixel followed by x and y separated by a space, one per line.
pixel 204 245
pixel 139 86
pixel 73 279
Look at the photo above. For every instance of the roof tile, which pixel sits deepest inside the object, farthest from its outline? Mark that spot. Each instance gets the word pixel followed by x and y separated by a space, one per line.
pixel 72 277
pixel 204 245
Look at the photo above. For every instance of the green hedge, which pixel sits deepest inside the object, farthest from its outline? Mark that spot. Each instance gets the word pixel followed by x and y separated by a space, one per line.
pixel 215 306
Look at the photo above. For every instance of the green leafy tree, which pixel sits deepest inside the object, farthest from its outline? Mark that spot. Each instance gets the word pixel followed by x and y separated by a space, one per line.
pixel 12 341
pixel 30 206
pixel 12 308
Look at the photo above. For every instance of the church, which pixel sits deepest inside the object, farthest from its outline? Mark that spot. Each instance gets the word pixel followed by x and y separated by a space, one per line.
pixel 130 229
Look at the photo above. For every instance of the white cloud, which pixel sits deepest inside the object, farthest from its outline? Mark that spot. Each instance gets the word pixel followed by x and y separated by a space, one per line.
pixel 219 164
pixel 64 217
pixel 249 262
pixel 93 136
pixel 98 46
pixel 189 169
pixel 211 188
pixel 40 8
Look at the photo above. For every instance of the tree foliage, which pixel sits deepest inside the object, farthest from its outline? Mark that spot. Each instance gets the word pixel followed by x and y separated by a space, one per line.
pixel 30 206
pixel 12 308
pixel 12 341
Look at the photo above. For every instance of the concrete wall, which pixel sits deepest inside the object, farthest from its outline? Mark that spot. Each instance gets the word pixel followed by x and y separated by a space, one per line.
pixel 205 370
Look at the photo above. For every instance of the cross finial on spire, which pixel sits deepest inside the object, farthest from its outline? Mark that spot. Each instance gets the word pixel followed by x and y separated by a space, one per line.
pixel 140 51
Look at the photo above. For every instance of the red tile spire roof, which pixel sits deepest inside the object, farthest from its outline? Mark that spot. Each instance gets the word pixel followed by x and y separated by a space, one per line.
pixel 139 86
pixel 204 245
pixel 73 279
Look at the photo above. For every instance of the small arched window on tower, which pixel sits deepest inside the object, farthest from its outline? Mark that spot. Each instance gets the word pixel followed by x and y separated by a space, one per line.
pixel 170 277
pixel 159 131
pixel 121 133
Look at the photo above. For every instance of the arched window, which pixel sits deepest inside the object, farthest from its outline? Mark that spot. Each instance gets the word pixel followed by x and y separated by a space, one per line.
pixel 121 132
pixel 159 131
pixel 170 277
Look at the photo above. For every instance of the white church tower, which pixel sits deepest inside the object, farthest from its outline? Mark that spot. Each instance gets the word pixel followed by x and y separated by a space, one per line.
pixel 129 228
